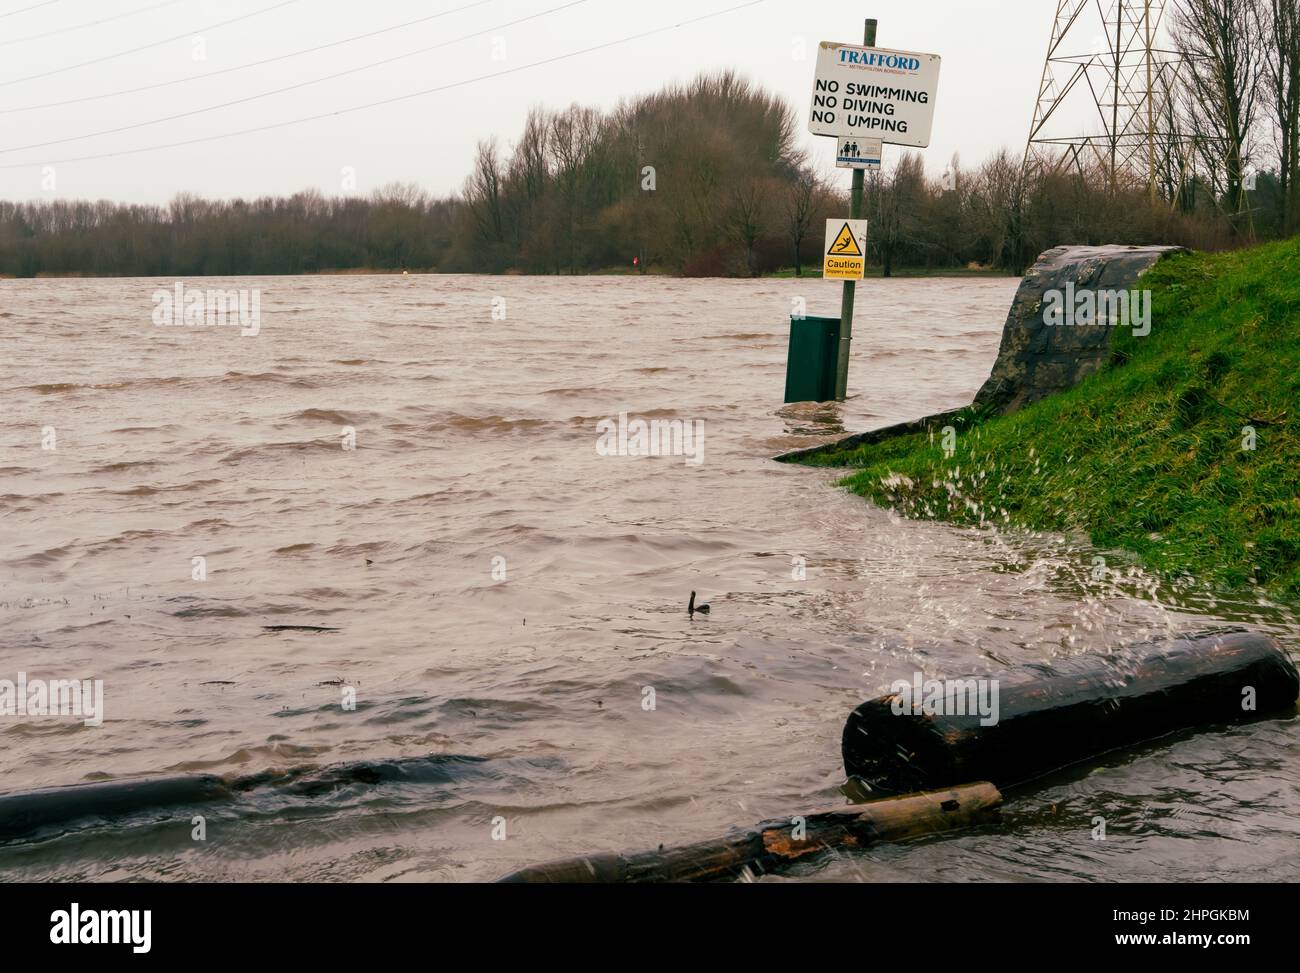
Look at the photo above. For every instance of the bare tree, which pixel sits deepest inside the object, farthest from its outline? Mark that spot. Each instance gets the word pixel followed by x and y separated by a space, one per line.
pixel 1279 27
pixel 1222 63
pixel 572 136
pixel 527 176
pixel 483 193
pixel 800 200
pixel 894 202
pixel 746 219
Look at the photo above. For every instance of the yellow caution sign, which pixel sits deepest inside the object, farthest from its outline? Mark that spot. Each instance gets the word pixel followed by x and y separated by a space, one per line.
pixel 845 245
pixel 846 242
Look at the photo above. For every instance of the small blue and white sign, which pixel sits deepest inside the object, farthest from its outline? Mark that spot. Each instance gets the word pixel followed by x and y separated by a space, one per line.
pixel 852 152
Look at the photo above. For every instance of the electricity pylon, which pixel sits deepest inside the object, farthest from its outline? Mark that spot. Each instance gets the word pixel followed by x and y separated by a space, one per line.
pixel 1105 101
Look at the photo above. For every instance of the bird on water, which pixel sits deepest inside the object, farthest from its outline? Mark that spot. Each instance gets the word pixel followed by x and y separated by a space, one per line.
pixel 692 608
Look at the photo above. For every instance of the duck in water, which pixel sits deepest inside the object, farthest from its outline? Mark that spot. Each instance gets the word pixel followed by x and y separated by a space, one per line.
pixel 692 608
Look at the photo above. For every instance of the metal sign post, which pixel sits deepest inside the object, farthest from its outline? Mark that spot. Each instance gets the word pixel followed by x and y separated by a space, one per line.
pixel 846 302
pixel 863 97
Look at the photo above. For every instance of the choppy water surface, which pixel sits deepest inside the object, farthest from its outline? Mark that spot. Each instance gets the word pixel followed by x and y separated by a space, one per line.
pixel 475 441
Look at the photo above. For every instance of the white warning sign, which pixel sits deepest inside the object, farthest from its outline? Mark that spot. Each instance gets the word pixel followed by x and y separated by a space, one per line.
pixel 846 247
pixel 874 93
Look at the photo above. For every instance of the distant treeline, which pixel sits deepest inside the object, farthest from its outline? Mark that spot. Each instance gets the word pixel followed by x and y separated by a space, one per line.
pixel 395 228
pixel 703 179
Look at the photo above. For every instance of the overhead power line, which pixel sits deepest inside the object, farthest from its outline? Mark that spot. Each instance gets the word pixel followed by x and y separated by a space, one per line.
pixel 23 10
pixel 90 23
pixel 145 47
pixel 292 87
pixel 242 67
pixel 387 101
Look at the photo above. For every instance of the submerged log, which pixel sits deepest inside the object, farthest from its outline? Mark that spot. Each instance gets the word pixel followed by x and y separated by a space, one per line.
pixel 25 813
pixel 775 845
pixel 1048 717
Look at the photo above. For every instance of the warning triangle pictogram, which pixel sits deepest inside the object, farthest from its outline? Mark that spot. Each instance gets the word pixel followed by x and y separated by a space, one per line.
pixel 845 245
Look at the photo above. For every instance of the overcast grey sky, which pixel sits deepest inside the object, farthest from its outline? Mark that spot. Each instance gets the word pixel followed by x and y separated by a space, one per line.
pixel 992 54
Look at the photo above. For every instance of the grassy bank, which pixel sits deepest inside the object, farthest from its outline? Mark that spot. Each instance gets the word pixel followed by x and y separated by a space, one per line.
pixel 1148 454
pixel 877 272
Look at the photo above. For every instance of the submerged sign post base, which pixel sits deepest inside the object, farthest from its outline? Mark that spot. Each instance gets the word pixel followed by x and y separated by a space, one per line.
pixel 846 260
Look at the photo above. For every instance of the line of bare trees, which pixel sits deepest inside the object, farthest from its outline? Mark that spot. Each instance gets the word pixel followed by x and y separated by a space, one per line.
pixel 1239 104
pixel 398 226
pixel 706 179
pixel 694 178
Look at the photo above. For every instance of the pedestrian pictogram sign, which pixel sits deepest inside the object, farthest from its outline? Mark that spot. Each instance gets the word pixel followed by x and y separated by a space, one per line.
pixel 846 242
pixel 852 152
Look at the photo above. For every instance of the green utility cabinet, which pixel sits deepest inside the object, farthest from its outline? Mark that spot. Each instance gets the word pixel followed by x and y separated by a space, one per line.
pixel 814 353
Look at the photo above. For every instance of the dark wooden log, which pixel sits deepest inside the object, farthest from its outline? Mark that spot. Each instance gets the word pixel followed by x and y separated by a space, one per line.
pixel 25 813
pixel 776 845
pixel 1053 716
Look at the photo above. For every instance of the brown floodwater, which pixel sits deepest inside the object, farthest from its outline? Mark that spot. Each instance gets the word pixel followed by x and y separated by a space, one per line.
pixel 496 587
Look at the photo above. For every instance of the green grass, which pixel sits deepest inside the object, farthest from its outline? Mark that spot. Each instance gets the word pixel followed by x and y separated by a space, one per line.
pixel 1147 454
pixel 875 271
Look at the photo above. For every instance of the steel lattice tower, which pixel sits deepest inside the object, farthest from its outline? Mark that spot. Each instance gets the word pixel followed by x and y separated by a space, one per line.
pixel 1108 71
